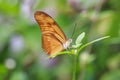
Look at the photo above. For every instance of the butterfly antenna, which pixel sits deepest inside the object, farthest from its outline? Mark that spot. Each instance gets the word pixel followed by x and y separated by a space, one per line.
pixel 73 33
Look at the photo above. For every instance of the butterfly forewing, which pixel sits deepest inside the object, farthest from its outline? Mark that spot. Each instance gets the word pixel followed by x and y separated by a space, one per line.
pixel 53 37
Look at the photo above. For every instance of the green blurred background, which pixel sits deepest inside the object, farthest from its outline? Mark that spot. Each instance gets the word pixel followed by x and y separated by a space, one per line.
pixel 21 55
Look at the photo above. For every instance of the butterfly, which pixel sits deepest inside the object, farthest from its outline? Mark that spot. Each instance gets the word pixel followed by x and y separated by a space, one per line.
pixel 53 38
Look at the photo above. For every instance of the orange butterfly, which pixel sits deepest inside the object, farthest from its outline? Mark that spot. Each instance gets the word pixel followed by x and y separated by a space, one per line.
pixel 53 38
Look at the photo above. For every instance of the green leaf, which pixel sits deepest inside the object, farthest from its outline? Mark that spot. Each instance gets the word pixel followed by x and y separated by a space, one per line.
pixel 80 37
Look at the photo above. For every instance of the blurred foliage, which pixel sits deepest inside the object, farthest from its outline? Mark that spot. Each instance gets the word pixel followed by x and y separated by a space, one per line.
pixel 21 55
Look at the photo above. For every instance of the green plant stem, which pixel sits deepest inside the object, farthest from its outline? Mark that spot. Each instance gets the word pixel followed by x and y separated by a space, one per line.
pixel 87 44
pixel 75 68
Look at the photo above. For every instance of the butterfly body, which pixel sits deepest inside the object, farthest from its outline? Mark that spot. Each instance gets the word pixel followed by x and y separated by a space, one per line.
pixel 53 38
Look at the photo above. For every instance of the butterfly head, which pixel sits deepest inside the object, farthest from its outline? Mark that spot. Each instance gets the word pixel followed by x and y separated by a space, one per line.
pixel 67 43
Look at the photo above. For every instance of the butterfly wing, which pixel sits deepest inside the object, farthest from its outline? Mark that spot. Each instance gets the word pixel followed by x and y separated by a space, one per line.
pixel 53 37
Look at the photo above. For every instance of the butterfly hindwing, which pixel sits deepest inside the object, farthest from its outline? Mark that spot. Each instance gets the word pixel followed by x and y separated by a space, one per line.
pixel 51 44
